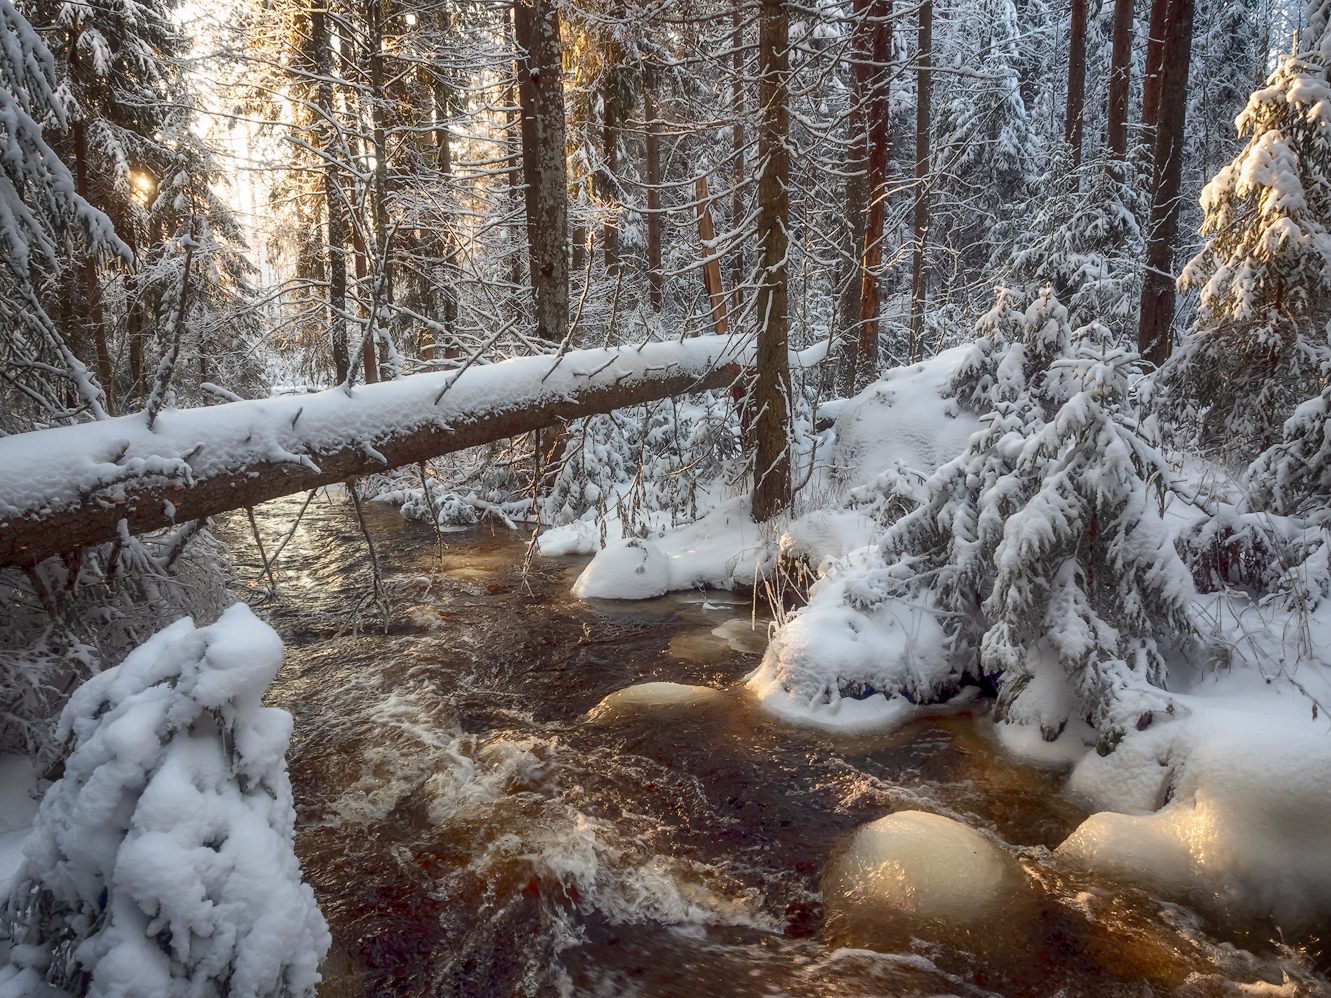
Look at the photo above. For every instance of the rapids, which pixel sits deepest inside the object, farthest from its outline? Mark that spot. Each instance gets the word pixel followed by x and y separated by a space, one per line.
pixel 473 827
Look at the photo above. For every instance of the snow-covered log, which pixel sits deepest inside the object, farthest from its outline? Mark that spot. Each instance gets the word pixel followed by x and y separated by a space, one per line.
pixel 66 487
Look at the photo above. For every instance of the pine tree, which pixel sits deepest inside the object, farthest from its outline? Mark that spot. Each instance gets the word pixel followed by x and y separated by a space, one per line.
pixel 1259 345
pixel 1088 582
pixel 41 217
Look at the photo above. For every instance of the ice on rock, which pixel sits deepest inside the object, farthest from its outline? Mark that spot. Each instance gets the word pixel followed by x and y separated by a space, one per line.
pixel 632 569
pixel 162 864
pixel 648 696
pixel 922 866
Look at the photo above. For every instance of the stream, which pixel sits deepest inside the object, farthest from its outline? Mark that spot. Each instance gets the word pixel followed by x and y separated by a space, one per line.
pixel 470 832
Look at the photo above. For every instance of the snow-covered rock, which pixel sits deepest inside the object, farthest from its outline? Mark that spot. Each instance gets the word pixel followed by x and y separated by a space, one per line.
pixel 922 865
pixel 1227 805
pixel 631 569
pixel 162 864
pixel 653 696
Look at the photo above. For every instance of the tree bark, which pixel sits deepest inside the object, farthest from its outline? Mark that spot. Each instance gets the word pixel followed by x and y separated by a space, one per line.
pixel 919 278
pixel 1072 130
pixel 1120 78
pixel 857 207
pixel 771 394
pixel 1155 43
pixel 337 260
pixel 652 127
pixel 541 94
pixel 737 144
pixel 711 268
pixel 91 288
pixel 152 502
pixel 1155 333
pixel 610 168
pixel 880 54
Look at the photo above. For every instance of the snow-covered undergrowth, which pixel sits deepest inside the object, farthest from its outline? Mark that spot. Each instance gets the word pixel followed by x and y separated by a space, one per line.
pixel 71 617
pixel 161 864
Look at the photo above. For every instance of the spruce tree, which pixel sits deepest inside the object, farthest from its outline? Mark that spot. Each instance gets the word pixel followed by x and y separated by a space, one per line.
pixel 1259 345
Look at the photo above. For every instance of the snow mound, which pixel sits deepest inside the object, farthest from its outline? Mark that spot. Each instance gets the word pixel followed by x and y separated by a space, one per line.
pixel 907 420
pixel 632 569
pixel 1242 784
pixel 162 864
pixel 839 667
pixel 921 865
pixel 721 549
pixel 649 696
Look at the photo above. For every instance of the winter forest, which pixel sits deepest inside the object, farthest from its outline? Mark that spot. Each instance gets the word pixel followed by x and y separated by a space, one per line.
pixel 578 497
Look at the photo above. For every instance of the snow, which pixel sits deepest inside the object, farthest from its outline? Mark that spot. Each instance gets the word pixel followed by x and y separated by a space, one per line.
pixel 18 806
pixel 165 853
pixel 631 569
pixel 903 423
pixel 53 469
pixel 719 550
pixel 1225 805
pixel 922 865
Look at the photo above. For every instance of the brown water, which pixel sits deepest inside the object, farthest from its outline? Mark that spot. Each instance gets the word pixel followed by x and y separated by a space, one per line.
pixel 468 833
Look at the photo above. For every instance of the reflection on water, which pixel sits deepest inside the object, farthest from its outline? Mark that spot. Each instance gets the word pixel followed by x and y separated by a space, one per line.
pixel 469 833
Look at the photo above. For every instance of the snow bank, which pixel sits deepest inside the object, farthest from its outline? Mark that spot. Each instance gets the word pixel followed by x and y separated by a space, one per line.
pixel 162 864
pixel 720 549
pixel 1241 778
pixel 921 865
pixel 903 423
pixel 53 469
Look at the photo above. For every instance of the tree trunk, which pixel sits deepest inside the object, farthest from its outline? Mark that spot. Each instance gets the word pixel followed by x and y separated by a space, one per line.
pixel 771 395
pixel 377 99
pixel 445 164
pixel 337 260
pixel 1155 334
pixel 737 139
pixel 919 278
pixel 856 208
pixel 711 268
pixel 368 356
pixel 541 93
pixel 91 288
pixel 1120 77
pixel 1151 71
pixel 880 54
pixel 610 169
pixel 247 476
pixel 653 197
pixel 1072 130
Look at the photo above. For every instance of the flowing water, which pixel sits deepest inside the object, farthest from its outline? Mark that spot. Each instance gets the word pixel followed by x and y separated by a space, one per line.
pixel 470 832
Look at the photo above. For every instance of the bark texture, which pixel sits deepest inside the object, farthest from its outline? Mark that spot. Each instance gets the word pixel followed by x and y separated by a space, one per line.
pixel 879 30
pixel 653 152
pixel 919 277
pixel 1120 78
pixel 1155 334
pixel 771 393
pixel 541 95
pixel 1072 129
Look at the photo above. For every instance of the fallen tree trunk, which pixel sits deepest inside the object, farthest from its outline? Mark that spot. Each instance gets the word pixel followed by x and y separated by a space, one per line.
pixel 64 488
